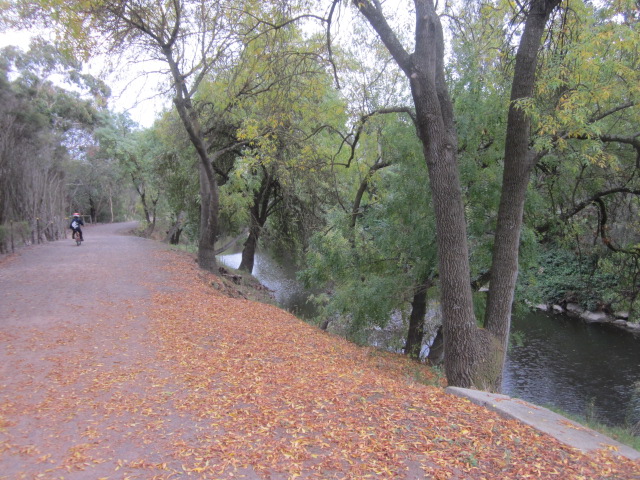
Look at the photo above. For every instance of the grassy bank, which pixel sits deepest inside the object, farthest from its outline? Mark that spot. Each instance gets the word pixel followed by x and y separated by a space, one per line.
pixel 623 434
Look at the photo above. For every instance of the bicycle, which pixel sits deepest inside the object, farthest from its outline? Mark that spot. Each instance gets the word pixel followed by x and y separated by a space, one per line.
pixel 76 237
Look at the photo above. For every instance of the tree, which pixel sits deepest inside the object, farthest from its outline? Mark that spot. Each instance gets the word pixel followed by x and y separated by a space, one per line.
pixel 43 125
pixel 193 39
pixel 136 153
pixel 169 31
pixel 474 356
pixel 290 113
pixel 585 118
pixel 374 252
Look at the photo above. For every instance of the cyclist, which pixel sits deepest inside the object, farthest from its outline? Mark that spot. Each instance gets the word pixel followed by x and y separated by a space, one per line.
pixel 76 223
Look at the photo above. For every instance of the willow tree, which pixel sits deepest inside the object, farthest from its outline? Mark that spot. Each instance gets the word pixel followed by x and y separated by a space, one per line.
pixel 290 111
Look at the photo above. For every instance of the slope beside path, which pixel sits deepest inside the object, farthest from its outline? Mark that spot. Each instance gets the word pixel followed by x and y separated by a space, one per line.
pixel 118 360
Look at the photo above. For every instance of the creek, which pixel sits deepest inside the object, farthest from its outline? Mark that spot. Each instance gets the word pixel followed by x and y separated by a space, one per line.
pixel 555 361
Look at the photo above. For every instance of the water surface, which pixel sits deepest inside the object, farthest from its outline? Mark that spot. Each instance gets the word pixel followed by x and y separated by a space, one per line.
pixel 582 368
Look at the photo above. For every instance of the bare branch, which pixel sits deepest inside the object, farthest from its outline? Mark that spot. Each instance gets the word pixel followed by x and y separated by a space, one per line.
pixel 333 65
pixel 361 123
pixel 373 13
pixel 611 111
pixel 602 230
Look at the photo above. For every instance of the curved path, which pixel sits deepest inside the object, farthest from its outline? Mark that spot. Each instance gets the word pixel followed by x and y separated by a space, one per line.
pixel 119 361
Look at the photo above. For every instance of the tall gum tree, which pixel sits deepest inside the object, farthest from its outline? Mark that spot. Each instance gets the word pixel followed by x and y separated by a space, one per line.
pixel 474 356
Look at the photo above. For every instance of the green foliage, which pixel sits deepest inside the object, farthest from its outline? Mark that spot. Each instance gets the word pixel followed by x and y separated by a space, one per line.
pixel 176 166
pixel 373 267
pixel 564 276
pixel 44 125
pixel 287 134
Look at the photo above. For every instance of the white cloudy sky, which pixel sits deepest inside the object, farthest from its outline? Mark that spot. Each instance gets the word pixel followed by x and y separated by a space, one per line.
pixel 130 93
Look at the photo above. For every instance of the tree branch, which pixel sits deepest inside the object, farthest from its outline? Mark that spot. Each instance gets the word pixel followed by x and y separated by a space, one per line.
pixel 361 123
pixel 595 198
pixel 329 49
pixel 602 230
pixel 373 13
pixel 355 211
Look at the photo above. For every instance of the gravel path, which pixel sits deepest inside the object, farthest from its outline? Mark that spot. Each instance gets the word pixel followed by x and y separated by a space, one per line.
pixel 118 360
pixel 71 325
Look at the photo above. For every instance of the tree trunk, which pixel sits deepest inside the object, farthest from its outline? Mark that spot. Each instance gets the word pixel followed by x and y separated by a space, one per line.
pixel 93 211
pixel 208 228
pixel 413 345
pixel 518 163
pixel 473 356
pixel 173 235
pixel 259 213
pixel 249 250
pixel 436 130
pixel 436 349
pixel 111 205
pixel 434 112
pixel 145 208
pixel 209 195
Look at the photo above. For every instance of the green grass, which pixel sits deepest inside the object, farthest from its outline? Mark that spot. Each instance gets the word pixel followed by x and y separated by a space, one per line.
pixel 622 434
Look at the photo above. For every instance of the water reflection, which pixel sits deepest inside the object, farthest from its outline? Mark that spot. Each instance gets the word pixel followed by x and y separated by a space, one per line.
pixel 583 369
pixel 281 279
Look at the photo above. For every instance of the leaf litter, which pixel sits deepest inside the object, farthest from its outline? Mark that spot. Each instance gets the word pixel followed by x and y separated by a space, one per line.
pixel 195 384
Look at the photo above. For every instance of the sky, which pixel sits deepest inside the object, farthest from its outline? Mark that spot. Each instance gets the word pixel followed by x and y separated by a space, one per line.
pixel 129 93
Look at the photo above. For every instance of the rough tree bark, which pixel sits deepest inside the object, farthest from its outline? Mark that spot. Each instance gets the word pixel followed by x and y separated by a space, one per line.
pixel 473 356
pixel 209 195
pixel 519 160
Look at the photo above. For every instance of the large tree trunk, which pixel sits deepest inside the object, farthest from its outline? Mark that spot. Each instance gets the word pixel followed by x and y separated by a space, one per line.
pixel 208 223
pixel 209 195
pixel 436 130
pixel 473 356
pixel 518 163
pixel 93 211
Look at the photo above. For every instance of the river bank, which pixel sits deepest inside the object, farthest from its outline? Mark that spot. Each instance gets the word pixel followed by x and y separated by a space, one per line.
pixel 158 374
pixel 585 369
pixel 619 320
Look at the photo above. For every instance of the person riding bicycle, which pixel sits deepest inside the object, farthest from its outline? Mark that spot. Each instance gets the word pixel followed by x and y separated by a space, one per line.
pixel 76 222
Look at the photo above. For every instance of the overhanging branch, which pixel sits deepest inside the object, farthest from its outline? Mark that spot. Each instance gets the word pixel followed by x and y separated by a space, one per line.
pixel 362 122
